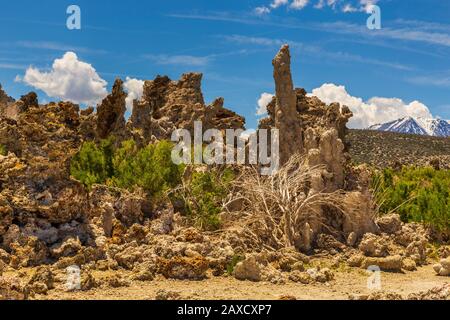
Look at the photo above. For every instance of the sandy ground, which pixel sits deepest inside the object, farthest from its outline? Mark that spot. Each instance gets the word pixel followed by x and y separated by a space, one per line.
pixel 347 282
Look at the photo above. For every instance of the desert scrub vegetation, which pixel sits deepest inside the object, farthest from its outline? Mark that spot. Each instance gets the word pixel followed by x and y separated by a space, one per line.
pixel 128 166
pixel 416 194
pixel 278 208
pixel 204 194
pixel 93 163
pixel 150 168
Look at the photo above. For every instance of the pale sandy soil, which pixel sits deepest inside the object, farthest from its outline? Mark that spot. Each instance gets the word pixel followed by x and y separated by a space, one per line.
pixel 349 281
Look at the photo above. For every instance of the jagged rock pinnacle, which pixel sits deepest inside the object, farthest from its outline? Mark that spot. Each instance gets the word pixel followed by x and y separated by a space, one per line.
pixel 286 116
pixel 111 112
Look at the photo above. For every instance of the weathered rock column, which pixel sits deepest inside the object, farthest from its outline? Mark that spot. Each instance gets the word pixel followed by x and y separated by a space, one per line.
pixel 286 116
pixel 110 113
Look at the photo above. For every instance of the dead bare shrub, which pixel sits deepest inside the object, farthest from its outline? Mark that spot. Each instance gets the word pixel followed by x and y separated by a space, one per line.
pixel 278 209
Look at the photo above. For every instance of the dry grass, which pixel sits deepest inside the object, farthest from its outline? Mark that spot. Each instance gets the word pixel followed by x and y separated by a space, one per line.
pixel 277 209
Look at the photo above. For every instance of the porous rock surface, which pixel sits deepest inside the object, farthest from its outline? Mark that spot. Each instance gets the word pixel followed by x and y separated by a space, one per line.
pixel 168 105
pixel 443 267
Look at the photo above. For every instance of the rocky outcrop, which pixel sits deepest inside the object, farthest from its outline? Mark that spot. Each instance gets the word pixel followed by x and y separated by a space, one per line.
pixel 5 100
pixel 169 105
pixel 111 112
pixel 40 204
pixel 287 119
pixel 29 100
pixel 47 217
pixel 308 126
pixel 36 179
pixel 316 131
pixel 11 109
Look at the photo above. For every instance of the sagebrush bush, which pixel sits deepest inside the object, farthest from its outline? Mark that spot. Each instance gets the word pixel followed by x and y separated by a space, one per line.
pixel 417 194
pixel 203 196
pixel 150 168
pixel 93 164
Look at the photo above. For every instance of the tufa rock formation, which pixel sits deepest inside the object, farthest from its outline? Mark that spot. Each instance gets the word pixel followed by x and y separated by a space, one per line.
pixel 169 105
pixel 309 126
pixel 165 106
pixel 5 100
pixel 110 113
pixel 45 215
pixel 317 131
pixel 11 109
pixel 286 118
pixel 443 267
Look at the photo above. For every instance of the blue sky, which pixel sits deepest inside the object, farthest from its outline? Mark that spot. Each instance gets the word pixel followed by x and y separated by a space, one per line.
pixel 233 45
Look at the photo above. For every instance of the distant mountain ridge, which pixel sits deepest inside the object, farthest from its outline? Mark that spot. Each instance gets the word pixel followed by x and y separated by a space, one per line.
pixel 420 126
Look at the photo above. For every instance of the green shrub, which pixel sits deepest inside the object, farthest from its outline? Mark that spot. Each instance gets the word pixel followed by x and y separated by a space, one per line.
pixel 150 168
pixel 204 195
pixel 417 194
pixel 3 151
pixel 93 164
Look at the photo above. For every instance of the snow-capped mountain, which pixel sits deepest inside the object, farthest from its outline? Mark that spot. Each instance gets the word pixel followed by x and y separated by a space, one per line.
pixel 422 126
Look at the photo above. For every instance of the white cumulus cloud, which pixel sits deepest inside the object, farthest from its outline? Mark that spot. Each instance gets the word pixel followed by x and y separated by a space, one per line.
pixel 135 89
pixel 69 79
pixel 263 102
pixel 374 111
pixel 365 113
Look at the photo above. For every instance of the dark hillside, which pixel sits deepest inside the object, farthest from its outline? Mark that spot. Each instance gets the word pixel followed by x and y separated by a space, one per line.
pixel 387 148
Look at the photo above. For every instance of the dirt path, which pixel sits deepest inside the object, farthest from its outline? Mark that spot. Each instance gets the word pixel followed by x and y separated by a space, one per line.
pixel 348 282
